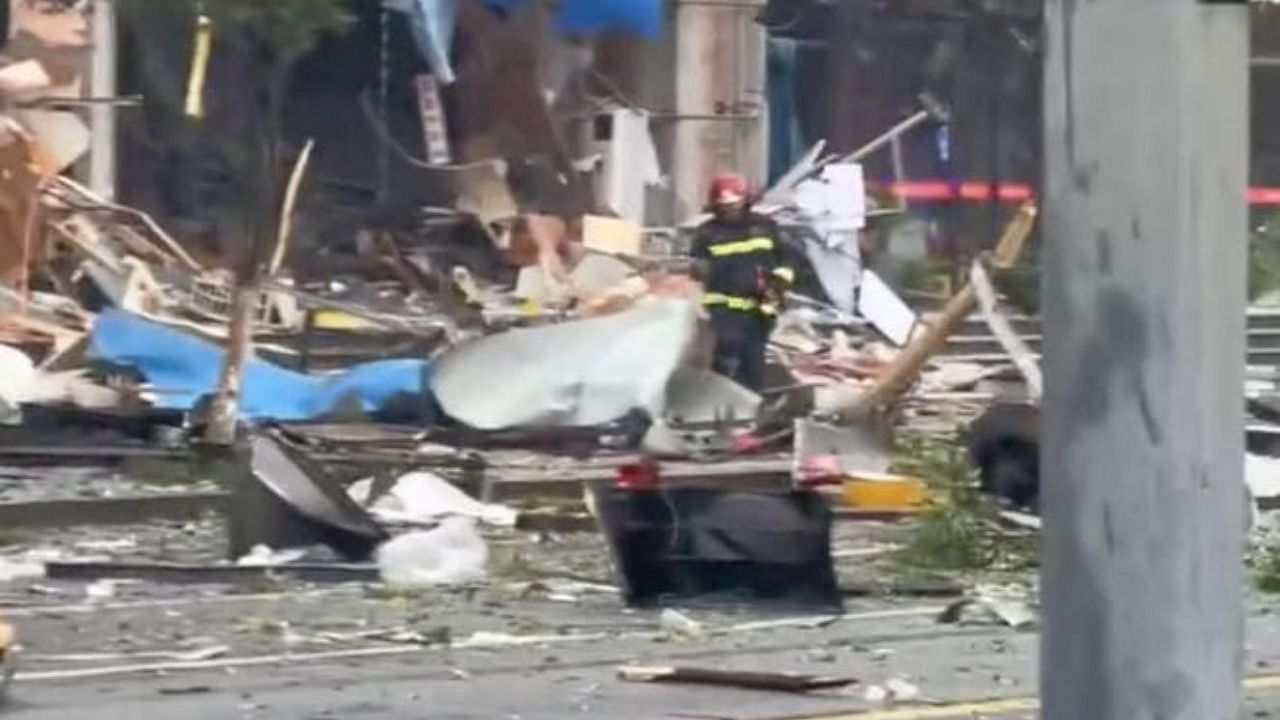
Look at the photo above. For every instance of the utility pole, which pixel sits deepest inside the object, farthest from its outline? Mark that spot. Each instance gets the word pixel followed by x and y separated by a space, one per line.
pixel 1146 142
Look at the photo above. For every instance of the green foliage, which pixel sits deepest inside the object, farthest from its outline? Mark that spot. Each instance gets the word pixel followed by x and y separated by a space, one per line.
pixel 1264 259
pixel 1264 566
pixel 960 530
pixel 285 29
pixel 255 46
pixel 925 276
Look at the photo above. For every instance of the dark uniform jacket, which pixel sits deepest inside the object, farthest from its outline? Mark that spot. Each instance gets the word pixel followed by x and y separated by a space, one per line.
pixel 743 264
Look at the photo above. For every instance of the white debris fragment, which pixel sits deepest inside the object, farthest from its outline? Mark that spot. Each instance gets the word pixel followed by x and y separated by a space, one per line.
pixel 19 568
pixel 485 639
pixel 881 654
pixel 451 554
pixel 876 695
pixel 101 590
pixel 993 605
pixel 424 498
pixel 211 652
pixel 902 691
pixel 18 373
pixel 677 624
pixel 116 545
pixel 1262 475
pixel 263 556
pixel 896 690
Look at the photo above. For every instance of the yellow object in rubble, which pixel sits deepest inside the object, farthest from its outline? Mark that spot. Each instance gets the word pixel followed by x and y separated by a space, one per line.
pixel 199 67
pixel 883 492
pixel 339 320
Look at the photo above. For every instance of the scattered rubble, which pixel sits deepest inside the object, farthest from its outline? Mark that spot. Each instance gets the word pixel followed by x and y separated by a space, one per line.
pixel 396 386
pixel 987 604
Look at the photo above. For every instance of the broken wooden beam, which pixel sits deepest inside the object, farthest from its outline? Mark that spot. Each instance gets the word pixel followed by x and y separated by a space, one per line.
pixel 778 681
pixel 903 371
pixel 190 574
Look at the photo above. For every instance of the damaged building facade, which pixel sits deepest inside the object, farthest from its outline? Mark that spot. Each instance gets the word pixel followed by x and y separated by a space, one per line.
pixel 561 100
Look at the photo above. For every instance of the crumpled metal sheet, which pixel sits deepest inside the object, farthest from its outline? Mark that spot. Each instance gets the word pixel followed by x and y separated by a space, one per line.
pixel 839 269
pixel 580 373
pixel 823 448
pixel 281 506
pixel 320 502
pixel 695 395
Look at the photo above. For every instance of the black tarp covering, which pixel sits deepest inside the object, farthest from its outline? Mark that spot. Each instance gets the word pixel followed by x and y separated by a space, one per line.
pixel 712 546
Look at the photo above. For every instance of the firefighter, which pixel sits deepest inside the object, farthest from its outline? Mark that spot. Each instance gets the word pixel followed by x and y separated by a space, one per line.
pixel 738 256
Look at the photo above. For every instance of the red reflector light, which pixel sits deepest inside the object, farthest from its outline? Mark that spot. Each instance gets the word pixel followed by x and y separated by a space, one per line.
pixel 643 475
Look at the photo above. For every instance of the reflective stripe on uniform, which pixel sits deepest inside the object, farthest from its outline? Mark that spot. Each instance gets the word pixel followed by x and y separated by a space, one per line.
pixel 741 304
pixel 742 247
pixel 729 301
pixel 785 274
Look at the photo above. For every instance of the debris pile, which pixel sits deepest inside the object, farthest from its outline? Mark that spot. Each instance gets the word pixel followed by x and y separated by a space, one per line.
pixel 376 407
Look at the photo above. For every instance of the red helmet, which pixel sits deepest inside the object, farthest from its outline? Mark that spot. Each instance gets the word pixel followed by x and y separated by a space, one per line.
pixel 728 189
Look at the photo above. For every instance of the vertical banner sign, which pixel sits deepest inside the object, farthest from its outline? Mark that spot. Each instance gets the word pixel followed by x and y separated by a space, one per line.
pixel 435 135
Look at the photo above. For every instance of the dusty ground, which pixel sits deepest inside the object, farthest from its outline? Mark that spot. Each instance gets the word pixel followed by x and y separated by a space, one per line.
pixel 294 656
pixel 540 641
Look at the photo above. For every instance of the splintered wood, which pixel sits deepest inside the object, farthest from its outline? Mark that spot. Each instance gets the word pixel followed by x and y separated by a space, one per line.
pixel 22 175
pixel 890 385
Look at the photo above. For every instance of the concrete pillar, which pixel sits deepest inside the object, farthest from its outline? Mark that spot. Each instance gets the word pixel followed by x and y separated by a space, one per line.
pixel 720 105
pixel 1143 298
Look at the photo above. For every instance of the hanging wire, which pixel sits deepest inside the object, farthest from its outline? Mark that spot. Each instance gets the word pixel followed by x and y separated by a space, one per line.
pixel 390 145
pixel 384 102
pixel 612 87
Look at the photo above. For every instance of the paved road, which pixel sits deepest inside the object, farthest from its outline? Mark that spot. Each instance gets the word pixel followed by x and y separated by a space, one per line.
pixel 577 679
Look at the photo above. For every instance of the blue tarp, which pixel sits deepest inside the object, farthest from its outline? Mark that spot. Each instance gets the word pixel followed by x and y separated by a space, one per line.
pixel 638 17
pixel 183 368
pixel 432 22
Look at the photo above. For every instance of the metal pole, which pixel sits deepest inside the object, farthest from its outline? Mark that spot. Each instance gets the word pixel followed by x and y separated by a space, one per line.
pixel 886 137
pixel 995 44
pixel 899 168
pixel 1146 133
pixel 102 116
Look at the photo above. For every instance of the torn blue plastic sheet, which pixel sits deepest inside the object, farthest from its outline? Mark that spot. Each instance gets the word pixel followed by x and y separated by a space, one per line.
pixel 182 368
pixel 582 17
pixel 432 23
